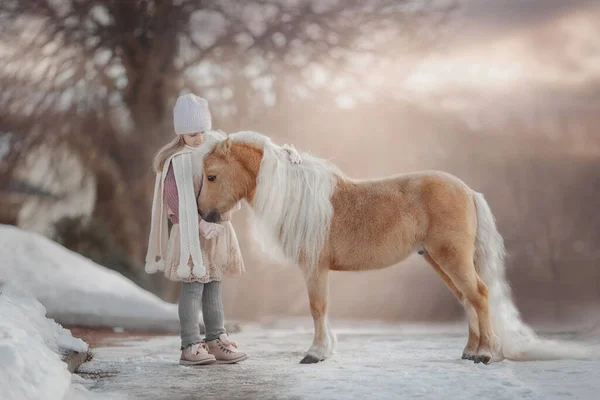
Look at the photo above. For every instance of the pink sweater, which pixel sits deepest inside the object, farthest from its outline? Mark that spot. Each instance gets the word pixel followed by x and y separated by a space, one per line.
pixel 171 195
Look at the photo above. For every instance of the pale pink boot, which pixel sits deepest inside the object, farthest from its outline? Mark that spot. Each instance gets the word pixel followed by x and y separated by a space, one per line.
pixel 196 354
pixel 225 350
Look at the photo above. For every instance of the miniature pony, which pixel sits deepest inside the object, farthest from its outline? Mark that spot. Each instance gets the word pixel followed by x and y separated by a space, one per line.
pixel 323 220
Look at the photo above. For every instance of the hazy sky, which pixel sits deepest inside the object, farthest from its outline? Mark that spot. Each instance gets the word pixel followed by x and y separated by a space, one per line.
pixel 515 45
pixel 502 17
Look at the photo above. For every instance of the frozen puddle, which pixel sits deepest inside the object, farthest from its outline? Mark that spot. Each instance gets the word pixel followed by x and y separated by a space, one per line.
pixel 383 362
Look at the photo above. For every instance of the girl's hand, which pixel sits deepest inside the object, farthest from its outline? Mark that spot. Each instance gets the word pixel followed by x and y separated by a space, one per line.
pixel 210 230
pixel 295 157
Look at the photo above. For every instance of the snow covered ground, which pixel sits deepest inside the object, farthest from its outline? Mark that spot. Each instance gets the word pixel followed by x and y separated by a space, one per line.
pixel 75 290
pixel 372 361
pixel 30 348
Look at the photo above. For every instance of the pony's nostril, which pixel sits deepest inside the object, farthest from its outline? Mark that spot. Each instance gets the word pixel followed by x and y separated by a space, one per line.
pixel 212 216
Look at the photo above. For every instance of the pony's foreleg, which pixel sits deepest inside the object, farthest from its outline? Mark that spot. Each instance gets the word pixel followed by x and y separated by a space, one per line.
pixel 317 284
pixel 470 350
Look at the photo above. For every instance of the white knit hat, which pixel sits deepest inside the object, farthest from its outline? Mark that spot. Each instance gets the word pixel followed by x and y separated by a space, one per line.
pixel 191 114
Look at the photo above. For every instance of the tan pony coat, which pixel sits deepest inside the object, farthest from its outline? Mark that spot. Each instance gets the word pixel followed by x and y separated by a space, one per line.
pixel 325 221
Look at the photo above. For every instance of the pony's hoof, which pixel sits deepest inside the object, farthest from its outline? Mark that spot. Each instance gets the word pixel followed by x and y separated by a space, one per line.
pixel 482 359
pixel 467 356
pixel 310 360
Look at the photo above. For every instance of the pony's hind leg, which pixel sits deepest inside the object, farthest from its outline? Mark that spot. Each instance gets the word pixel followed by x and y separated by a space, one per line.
pixel 317 284
pixel 478 298
pixel 457 262
pixel 470 350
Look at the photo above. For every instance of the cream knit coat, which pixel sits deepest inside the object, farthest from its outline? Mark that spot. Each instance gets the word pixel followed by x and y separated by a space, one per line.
pixel 207 260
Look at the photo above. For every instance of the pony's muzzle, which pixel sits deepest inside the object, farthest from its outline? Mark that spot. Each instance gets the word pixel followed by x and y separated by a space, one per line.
pixel 213 216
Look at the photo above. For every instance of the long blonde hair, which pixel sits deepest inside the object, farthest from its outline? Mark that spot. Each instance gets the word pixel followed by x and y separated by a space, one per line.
pixel 167 151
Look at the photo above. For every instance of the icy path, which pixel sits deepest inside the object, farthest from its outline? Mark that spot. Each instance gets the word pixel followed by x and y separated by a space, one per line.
pixel 383 362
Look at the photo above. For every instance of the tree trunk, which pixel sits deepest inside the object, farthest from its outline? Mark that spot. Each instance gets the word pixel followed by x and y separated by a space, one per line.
pixel 148 56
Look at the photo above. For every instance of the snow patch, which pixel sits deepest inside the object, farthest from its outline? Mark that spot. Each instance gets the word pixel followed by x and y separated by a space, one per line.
pixel 75 290
pixel 30 344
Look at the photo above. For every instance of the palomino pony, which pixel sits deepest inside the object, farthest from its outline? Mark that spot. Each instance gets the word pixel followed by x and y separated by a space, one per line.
pixel 323 221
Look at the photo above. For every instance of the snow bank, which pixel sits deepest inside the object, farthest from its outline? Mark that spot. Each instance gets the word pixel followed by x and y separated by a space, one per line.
pixel 30 344
pixel 75 290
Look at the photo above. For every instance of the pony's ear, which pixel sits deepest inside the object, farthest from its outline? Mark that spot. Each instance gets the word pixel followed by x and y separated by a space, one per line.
pixel 224 147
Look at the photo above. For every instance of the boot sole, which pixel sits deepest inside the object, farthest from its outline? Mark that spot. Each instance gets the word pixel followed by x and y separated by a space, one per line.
pixel 237 360
pixel 205 362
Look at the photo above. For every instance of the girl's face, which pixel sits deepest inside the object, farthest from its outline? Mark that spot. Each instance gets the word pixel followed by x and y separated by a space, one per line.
pixel 194 139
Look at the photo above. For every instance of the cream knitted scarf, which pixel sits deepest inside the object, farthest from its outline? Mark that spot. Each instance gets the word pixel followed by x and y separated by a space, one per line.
pixel 185 163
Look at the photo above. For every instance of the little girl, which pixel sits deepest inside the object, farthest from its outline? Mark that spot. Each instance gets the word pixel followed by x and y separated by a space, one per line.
pixel 196 252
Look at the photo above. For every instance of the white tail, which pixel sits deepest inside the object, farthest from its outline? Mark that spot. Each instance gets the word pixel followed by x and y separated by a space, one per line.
pixel 515 339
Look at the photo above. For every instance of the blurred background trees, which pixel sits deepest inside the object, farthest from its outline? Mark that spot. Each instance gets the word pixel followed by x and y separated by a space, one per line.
pixel 378 86
pixel 104 75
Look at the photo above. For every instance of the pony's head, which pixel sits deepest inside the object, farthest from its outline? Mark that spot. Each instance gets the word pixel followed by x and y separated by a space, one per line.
pixel 291 203
pixel 230 172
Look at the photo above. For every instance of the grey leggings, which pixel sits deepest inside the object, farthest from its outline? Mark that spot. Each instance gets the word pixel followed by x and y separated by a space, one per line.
pixel 193 295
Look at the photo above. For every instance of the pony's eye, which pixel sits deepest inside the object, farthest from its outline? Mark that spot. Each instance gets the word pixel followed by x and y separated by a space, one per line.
pixel 211 178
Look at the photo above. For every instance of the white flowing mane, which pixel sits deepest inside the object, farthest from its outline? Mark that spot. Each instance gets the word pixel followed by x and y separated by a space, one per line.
pixel 292 204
